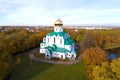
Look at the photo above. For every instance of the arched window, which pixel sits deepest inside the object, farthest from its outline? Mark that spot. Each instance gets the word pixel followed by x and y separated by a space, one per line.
pixel 61 29
pixel 54 39
pixel 44 39
pixel 60 41
pixel 48 40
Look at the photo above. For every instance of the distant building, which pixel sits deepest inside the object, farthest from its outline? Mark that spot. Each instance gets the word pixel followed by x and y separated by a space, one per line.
pixel 58 43
pixel 76 30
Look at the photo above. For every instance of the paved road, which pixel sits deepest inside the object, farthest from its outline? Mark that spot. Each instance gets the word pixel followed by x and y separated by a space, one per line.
pixel 32 57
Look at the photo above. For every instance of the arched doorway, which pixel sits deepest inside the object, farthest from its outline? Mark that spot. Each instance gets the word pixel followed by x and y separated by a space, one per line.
pixel 48 56
pixel 61 56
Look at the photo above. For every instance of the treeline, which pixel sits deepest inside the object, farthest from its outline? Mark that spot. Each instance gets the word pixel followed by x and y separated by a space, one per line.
pixel 15 41
pixel 19 40
pixel 105 39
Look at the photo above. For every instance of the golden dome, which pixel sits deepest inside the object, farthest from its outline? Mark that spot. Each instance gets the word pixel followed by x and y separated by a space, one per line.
pixel 58 22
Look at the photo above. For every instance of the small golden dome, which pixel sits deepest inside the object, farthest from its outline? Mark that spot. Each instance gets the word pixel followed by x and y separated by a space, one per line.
pixel 58 22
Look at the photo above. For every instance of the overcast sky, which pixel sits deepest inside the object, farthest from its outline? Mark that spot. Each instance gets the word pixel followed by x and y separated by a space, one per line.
pixel 45 12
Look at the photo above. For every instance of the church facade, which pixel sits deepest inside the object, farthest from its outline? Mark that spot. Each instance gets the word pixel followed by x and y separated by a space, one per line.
pixel 58 44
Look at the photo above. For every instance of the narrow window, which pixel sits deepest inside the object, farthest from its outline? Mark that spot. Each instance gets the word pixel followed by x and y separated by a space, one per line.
pixel 44 39
pixel 54 39
pixel 61 29
pixel 48 40
pixel 60 41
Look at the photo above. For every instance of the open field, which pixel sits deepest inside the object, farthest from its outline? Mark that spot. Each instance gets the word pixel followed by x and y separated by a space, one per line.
pixel 47 71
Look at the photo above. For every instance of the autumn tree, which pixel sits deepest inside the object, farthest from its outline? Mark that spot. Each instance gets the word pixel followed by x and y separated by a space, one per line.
pixel 92 57
pixel 107 71
pixel 5 64
pixel 16 41
pixel 88 41
pixel 115 66
pixel 98 37
pixel 79 38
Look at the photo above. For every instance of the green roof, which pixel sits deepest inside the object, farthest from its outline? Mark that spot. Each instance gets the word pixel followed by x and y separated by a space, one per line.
pixel 57 33
pixel 54 46
pixel 50 49
pixel 69 41
pixel 63 50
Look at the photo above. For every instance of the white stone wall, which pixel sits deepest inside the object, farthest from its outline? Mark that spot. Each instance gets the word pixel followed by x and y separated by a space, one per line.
pixel 47 40
pixel 58 55
pixel 42 50
pixel 58 29
pixel 42 45
pixel 68 55
pixel 61 54
pixel 59 41
pixel 55 55
pixel 68 47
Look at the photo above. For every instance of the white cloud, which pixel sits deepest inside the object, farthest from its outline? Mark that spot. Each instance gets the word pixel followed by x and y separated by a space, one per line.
pixel 28 15
pixel 43 12
pixel 87 16
pixel 34 15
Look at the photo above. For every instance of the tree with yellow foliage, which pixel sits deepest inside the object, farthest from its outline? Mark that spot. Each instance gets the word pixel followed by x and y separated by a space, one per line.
pixel 92 57
pixel 5 64
pixel 107 71
pixel 88 41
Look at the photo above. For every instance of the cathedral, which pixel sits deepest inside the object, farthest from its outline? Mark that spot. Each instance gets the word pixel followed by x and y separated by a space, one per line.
pixel 58 44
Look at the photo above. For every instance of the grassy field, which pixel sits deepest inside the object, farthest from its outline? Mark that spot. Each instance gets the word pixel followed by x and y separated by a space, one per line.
pixel 47 71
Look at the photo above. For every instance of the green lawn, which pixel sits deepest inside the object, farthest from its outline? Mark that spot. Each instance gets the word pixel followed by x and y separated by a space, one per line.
pixel 47 71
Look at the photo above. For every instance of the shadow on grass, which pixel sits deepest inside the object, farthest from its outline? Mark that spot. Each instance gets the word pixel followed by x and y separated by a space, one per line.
pixel 63 72
pixel 45 71
pixel 25 71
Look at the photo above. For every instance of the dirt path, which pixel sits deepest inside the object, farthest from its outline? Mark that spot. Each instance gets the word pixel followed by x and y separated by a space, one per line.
pixel 32 57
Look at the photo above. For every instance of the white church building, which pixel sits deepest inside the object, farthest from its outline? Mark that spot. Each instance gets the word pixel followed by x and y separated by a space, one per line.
pixel 58 44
